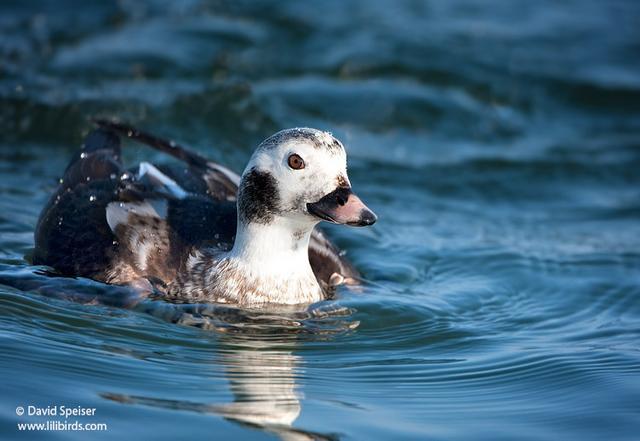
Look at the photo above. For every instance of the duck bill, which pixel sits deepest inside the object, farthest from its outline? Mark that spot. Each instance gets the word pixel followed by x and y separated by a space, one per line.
pixel 342 206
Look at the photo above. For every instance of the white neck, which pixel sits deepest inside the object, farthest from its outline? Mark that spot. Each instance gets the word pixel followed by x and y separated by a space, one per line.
pixel 273 260
pixel 270 246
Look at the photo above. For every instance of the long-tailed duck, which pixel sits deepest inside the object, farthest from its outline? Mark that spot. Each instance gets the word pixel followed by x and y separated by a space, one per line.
pixel 196 231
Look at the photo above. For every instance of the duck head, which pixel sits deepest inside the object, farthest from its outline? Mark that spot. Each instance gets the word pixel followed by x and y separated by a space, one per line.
pixel 300 175
pixel 294 180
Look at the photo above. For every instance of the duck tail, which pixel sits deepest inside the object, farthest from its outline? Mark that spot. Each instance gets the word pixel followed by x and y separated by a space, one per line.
pixel 170 147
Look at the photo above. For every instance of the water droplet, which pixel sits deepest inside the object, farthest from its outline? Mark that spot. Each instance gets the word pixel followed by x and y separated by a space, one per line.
pixel 61 180
pixel 129 133
pixel 112 176
pixel 88 178
pixel 92 198
pixel 83 155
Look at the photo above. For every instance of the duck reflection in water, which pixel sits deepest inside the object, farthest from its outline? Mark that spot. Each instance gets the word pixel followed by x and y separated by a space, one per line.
pixel 263 381
pixel 262 370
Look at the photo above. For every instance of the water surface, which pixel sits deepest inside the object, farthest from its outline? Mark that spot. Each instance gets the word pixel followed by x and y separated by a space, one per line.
pixel 499 143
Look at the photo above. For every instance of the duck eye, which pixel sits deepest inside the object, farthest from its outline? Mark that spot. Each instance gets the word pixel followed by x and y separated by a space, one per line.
pixel 295 162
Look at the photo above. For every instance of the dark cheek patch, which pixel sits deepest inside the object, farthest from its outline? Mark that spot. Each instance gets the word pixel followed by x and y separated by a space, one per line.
pixel 258 198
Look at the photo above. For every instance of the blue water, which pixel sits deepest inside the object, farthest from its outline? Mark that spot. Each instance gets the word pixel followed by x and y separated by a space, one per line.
pixel 499 143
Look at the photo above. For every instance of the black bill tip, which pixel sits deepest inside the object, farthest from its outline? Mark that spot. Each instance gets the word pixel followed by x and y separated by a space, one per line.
pixel 366 218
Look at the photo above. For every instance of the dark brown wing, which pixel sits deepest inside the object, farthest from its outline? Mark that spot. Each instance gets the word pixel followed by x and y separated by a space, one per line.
pixel 72 234
pixel 197 175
